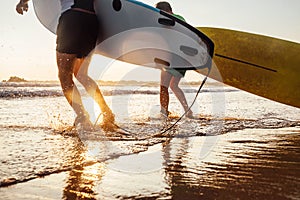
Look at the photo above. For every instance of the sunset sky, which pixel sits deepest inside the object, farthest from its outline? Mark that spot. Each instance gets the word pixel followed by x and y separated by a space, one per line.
pixel 28 49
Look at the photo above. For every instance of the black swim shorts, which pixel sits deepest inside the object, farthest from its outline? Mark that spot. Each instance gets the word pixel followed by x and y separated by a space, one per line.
pixel 77 33
pixel 176 72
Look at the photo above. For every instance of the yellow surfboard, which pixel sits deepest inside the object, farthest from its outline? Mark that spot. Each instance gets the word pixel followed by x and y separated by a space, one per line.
pixel 261 65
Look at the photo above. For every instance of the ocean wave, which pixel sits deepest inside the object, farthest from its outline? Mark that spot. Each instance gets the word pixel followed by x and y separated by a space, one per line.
pixel 27 93
pixel 109 88
pixel 30 84
pixel 11 92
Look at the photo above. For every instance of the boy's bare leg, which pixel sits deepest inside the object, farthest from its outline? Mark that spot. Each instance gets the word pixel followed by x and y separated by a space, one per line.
pixel 165 79
pixel 180 95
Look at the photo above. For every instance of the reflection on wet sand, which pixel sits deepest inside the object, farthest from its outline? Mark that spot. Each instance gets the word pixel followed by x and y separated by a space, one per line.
pixel 81 182
pixel 261 165
pixel 250 164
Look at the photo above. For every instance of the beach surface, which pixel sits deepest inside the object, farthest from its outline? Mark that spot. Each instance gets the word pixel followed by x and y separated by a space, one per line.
pixel 240 146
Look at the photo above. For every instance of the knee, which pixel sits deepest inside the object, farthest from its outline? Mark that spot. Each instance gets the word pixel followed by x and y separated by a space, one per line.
pixel 84 79
pixel 66 80
pixel 174 87
pixel 61 75
pixel 81 77
pixel 67 85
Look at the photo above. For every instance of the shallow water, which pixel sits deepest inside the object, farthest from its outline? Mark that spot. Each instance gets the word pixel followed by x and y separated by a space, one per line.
pixel 241 147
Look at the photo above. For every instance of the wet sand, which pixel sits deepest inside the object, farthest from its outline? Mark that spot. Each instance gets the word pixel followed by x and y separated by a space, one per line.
pixel 247 164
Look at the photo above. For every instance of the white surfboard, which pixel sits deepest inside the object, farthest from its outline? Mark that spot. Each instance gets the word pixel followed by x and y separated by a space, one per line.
pixel 134 32
pixel 48 13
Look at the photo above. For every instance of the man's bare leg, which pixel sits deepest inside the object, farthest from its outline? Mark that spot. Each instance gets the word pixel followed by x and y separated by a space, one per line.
pixel 65 63
pixel 81 74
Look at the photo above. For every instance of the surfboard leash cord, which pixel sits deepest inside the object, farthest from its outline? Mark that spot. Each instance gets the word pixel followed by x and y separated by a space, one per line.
pixel 177 121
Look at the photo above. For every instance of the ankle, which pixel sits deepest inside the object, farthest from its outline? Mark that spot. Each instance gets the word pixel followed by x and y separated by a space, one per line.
pixel 82 117
pixel 108 117
pixel 164 112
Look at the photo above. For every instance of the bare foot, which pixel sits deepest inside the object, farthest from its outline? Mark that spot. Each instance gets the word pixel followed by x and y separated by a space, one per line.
pixel 190 115
pixel 108 117
pixel 83 122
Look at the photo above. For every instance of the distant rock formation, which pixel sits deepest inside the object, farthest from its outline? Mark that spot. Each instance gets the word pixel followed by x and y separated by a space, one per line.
pixel 15 79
